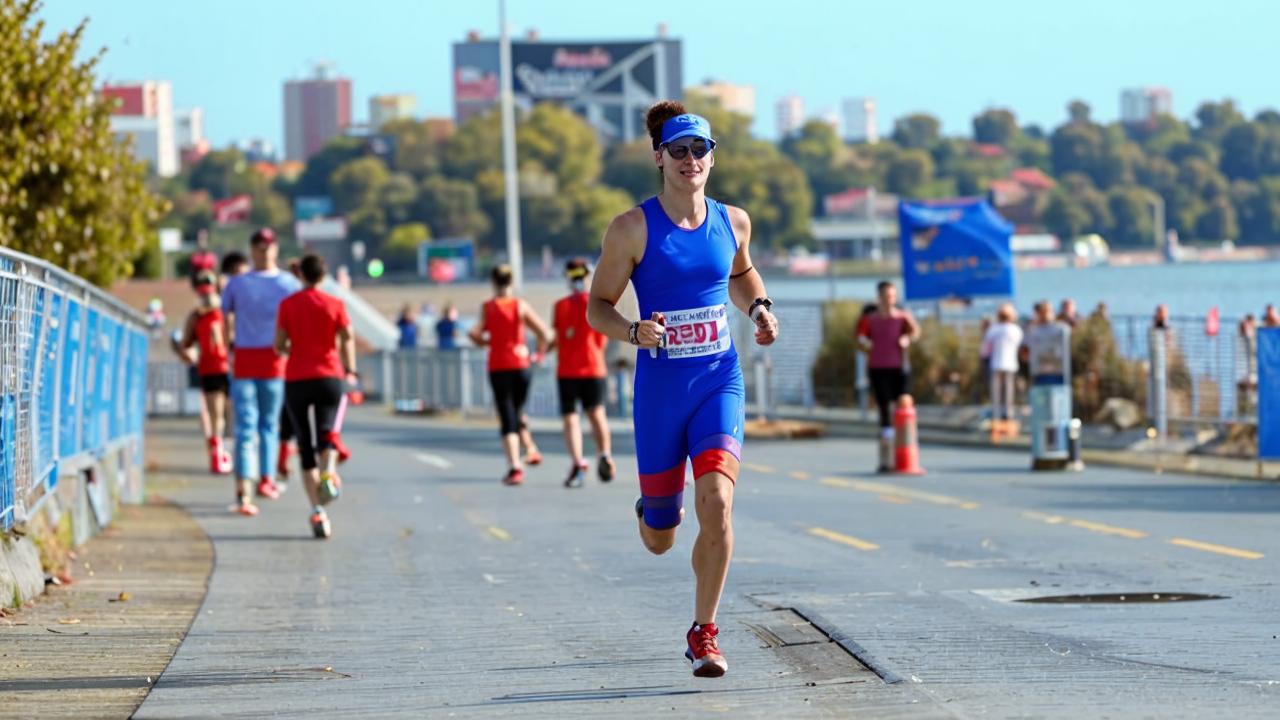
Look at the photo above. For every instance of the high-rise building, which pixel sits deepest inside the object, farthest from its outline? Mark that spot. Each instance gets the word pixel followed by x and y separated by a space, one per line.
pixel 860 120
pixel 610 83
pixel 188 126
pixel 1139 105
pixel 385 108
pixel 790 115
pixel 316 110
pixel 144 111
pixel 739 99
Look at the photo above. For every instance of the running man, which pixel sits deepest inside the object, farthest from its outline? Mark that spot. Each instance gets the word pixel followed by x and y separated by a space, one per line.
pixel 249 305
pixel 885 334
pixel 202 335
pixel 581 376
pixel 687 256
pixel 501 326
pixel 314 332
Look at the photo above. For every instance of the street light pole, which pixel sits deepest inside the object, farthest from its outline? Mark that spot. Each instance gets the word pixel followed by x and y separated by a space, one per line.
pixel 515 252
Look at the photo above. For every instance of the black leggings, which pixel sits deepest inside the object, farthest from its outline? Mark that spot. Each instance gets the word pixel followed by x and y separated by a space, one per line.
pixel 510 390
pixel 324 395
pixel 286 425
pixel 888 384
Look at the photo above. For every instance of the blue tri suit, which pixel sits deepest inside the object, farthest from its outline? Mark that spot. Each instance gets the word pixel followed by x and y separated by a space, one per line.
pixel 689 396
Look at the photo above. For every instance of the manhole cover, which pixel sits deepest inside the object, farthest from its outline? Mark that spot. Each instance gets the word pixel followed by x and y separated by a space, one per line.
pixel 1123 598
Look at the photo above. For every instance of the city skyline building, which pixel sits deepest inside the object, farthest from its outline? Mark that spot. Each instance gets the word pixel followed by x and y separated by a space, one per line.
pixel 1139 105
pixel 316 110
pixel 385 108
pixel 860 120
pixel 611 84
pixel 144 112
pixel 735 98
pixel 789 113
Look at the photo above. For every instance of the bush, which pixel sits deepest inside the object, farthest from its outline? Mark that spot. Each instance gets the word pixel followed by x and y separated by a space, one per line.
pixel 945 367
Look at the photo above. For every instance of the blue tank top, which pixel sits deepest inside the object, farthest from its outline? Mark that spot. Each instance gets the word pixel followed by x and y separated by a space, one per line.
pixel 684 274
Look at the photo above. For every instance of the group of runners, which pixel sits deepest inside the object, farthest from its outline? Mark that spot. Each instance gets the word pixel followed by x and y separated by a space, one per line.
pixel 282 352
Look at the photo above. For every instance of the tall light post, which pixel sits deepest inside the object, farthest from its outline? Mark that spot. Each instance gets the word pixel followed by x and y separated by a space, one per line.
pixel 515 251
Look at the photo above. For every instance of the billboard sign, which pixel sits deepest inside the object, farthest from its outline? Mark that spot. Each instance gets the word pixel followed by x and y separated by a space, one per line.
pixel 309 207
pixel 320 230
pixel 956 249
pixel 611 83
pixel 446 260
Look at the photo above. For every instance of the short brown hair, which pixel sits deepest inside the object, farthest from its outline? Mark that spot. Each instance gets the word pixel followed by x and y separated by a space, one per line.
pixel 313 268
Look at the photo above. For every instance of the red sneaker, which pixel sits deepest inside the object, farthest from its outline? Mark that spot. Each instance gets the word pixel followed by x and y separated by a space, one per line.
pixel 267 489
pixel 533 458
pixel 704 651
pixel 224 462
pixel 247 509
pixel 514 477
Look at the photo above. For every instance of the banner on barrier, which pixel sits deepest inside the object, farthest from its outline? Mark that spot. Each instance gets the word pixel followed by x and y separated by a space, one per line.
pixel 1269 392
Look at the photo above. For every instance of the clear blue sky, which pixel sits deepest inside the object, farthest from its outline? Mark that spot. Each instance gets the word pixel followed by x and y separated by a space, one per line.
pixel 942 56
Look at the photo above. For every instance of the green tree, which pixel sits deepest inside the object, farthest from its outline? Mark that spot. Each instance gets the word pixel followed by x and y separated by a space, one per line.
pixel 1079 112
pixel 400 248
pixel 560 142
pixel 1243 146
pixel 419 146
pixel 70 193
pixel 475 147
pixel 918 130
pixel 630 167
pixel 314 180
pixel 1064 215
pixel 823 158
pixel 367 223
pixel 398 198
pixel 995 125
pixel 1076 147
pixel 909 172
pixel 1131 214
pixel 594 208
pixel 358 183
pixel 451 208
pixel 1218 221
pixel 1214 118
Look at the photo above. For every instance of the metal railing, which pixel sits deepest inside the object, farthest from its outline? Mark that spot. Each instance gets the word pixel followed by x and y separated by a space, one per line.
pixel 72 381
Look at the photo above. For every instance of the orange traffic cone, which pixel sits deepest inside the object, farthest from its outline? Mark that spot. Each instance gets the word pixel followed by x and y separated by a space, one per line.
pixel 907 448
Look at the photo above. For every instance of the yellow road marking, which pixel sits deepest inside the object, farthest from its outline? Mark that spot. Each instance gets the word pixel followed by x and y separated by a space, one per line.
pixel 1219 549
pixel 843 539
pixel 895 499
pixel 758 468
pixel 1084 525
pixel 882 489
pixel 799 474
pixel 1108 529
pixel 499 533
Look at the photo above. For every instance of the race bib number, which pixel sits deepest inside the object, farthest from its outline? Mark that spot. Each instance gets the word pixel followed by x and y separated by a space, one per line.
pixel 698 332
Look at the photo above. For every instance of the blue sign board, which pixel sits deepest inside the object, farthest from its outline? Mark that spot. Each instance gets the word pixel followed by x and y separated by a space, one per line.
pixel 1269 392
pixel 312 206
pixel 956 249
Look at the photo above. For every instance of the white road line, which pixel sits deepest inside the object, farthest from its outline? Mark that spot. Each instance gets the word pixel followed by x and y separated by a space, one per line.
pixel 433 460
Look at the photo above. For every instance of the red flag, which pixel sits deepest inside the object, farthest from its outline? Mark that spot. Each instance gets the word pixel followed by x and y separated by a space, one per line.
pixel 232 210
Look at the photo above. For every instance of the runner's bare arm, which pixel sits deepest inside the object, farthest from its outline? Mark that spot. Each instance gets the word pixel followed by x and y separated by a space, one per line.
pixel 183 345
pixel 745 282
pixel 282 341
pixel 913 327
pixel 622 250
pixel 539 328
pixel 476 333
pixel 347 349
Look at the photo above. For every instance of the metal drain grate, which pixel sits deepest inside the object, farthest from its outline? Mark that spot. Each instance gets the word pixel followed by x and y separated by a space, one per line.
pixel 1122 598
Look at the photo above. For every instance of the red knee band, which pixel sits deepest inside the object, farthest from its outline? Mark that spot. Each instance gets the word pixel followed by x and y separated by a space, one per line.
pixel 662 484
pixel 716 460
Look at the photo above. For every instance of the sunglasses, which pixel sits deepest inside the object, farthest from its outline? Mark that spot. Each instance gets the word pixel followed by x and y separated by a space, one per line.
pixel 698 146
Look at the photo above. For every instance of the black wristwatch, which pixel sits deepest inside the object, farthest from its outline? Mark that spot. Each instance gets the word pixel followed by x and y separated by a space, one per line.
pixel 763 302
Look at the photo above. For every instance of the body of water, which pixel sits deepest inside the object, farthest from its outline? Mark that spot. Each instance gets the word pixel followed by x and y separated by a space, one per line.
pixel 1188 289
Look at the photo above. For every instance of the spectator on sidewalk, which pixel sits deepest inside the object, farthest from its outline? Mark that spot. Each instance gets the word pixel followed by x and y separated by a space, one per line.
pixel 1248 382
pixel 1001 343
pixel 1270 317
pixel 1160 321
pixel 447 328
pixel 1067 313
pixel 408 326
pixel 249 305
pixel 885 335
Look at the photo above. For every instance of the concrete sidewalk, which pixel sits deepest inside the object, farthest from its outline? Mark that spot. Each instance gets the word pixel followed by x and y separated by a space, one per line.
pixel 93 649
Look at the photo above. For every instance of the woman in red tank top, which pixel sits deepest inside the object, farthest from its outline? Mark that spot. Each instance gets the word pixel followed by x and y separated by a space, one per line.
pixel 502 326
pixel 203 346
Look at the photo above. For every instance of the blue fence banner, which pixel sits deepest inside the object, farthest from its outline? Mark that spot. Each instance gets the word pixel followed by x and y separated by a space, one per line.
pixel 956 249
pixel 1269 392
pixel 73 378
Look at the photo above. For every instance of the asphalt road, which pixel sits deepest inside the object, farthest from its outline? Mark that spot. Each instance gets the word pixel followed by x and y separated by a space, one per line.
pixel 446 594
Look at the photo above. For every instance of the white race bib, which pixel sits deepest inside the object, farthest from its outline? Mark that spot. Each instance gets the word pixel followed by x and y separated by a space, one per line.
pixel 698 332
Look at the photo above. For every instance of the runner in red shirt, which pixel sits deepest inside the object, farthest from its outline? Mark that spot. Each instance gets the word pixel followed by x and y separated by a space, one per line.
pixel 501 327
pixel 581 375
pixel 203 346
pixel 313 330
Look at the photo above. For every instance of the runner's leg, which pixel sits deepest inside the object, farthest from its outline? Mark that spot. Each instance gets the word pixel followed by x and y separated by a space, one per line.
pixel 502 384
pixel 661 457
pixel 572 426
pixel 715 441
pixel 244 396
pixel 270 400
pixel 298 405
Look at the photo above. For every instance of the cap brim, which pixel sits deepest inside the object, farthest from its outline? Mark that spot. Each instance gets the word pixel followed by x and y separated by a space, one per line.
pixel 690 132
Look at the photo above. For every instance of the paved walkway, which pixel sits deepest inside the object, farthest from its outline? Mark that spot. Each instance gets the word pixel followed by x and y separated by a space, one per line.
pixel 444 594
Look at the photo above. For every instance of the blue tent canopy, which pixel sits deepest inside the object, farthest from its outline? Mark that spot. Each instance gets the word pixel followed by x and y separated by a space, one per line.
pixel 954 249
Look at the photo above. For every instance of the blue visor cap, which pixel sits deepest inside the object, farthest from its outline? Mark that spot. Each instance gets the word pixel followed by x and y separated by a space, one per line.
pixel 687 125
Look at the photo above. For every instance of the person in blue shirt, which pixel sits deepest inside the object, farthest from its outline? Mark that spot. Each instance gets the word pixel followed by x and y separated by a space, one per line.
pixel 447 328
pixel 408 326
pixel 687 257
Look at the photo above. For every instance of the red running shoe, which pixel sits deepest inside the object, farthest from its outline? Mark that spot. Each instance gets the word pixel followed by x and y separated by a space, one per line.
pixel 343 453
pixel 704 651
pixel 514 476
pixel 267 489
pixel 245 508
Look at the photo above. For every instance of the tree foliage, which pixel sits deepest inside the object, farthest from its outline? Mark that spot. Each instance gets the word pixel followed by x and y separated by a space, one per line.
pixel 70 192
